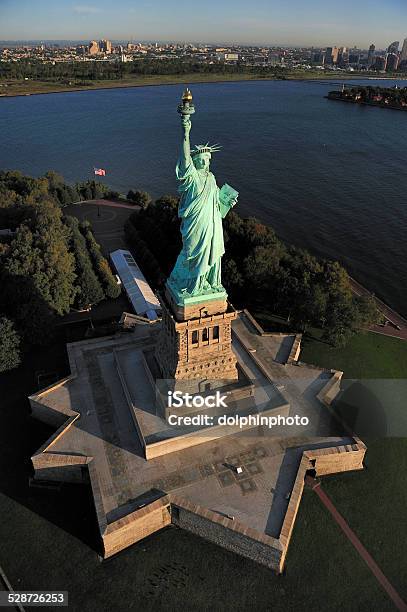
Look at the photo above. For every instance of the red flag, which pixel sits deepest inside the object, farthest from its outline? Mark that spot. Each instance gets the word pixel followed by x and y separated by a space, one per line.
pixel 100 171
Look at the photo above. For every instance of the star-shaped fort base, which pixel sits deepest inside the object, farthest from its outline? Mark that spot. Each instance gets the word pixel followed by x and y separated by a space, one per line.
pixel 105 408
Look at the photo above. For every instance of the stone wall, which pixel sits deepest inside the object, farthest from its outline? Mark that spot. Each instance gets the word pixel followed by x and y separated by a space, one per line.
pixel 60 468
pixel 227 533
pixel 45 414
pixel 135 526
pixel 55 417
pixel 324 461
pixel 329 391
pixel 337 459
pixel 293 506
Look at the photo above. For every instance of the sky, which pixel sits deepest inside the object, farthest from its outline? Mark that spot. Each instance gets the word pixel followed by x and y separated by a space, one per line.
pixel 280 22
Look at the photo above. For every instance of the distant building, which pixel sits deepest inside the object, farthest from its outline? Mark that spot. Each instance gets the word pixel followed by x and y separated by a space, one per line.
pixel 318 58
pixel 354 58
pixel 393 47
pixel 342 56
pixel 105 46
pixel 392 62
pixel 328 56
pixel 370 55
pixel 227 57
pixel 380 63
pixel 138 291
pixel 93 47
pixel 331 55
pixel 403 54
pixel 274 59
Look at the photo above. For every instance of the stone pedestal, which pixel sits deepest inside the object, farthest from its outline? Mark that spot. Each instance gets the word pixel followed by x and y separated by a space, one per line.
pixel 196 307
pixel 197 348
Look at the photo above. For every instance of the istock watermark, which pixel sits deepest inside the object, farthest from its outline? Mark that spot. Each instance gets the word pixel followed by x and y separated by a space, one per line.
pixel 176 399
pixel 234 420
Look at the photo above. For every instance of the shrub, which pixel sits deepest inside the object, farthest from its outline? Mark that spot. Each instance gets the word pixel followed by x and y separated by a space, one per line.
pixel 9 345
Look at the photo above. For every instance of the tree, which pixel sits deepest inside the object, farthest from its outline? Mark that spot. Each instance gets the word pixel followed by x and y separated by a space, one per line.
pixel 40 253
pixel 91 190
pixel 51 238
pixel 9 345
pixel 89 290
pixel 232 278
pixel 367 312
pixel 111 194
pixel 144 257
pixel 110 286
pixel 339 326
pixel 139 198
pixel 35 320
pixel 260 265
pixel 131 195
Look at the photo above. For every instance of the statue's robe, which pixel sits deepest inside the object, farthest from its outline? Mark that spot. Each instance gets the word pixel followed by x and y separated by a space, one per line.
pixel 198 267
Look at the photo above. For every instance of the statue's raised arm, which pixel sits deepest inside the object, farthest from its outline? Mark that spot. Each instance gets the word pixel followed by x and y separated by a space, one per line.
pixel 186 109
pixel 185 158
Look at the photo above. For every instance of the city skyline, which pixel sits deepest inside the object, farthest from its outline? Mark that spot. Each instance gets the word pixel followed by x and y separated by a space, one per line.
pixel 265 22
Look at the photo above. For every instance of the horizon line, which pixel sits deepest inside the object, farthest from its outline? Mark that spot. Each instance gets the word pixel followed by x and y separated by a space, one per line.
pixel 173 41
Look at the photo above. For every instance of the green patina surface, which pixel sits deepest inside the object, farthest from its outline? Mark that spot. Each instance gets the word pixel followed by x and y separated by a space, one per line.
pixel 197 272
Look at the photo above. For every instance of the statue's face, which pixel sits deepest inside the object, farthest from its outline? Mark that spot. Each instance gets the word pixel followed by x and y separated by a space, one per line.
pixel 202 161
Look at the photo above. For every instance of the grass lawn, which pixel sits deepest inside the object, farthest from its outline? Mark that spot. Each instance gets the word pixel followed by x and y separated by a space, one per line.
pixel 374 503
pixel 367 355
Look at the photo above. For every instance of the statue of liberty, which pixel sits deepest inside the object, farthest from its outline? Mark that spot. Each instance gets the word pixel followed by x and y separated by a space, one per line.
pixel 202 206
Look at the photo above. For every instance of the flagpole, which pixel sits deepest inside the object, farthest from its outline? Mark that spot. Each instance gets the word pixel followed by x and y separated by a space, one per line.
pixel 94 185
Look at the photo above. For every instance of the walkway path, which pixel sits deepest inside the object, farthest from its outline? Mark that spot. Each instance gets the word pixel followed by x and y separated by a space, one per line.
pixel 110 203
pixel 352 537
pixel 396 326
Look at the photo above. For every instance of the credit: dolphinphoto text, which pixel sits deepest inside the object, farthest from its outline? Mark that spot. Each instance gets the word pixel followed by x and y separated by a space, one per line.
pixel 284 408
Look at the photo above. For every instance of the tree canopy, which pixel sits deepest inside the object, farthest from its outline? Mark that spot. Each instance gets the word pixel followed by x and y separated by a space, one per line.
pixel 47 265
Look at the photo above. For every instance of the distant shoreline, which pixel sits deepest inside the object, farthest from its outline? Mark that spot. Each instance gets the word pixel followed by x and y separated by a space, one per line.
pixel 29 89
pixel 376 104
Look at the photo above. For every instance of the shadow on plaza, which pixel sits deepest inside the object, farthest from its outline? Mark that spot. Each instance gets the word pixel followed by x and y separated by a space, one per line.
pixel 361 410
pixel 357 409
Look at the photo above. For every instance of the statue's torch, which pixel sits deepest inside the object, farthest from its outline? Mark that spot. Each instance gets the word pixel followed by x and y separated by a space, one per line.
pixel 186 107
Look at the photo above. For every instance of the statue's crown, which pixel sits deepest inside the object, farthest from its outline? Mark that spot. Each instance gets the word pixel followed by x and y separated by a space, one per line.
pixel 205 148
